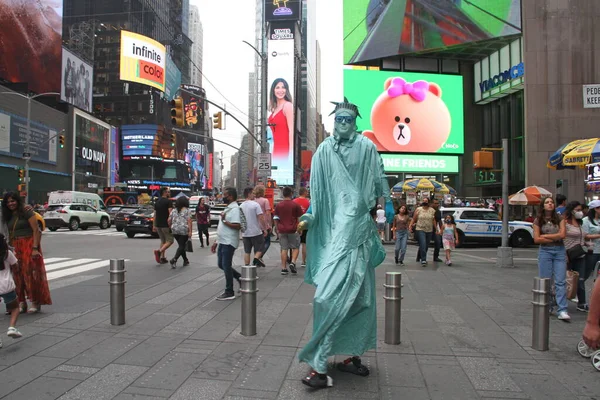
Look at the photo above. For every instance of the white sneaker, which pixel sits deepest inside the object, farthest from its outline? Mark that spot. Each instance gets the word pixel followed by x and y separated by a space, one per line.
pixel 14 333
pixel 564 316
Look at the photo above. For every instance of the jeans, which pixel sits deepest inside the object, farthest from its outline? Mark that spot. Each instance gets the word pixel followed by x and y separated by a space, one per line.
pixel 224 261
pixel 437 242
pixel 423 238
pixel 267 242
pixel 578 265
pixel 552 263
pixel 401 242
pixel 181 241
pixel 203 230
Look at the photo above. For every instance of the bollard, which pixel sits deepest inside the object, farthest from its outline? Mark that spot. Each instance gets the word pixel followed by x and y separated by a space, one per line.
pixel 393 300
pixel 540 336
pixel 387 233
pixel 249 291
pixel 117 291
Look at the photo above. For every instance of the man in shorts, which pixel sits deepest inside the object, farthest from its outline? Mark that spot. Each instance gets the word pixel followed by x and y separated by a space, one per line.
pixel 287 214
pixel 254 235
pixel 162 210
pixel 304 203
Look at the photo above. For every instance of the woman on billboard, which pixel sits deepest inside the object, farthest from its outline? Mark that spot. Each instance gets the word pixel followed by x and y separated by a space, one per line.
pixel 281 119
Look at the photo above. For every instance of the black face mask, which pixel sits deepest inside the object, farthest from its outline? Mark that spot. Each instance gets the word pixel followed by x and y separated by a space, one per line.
pixel 425 204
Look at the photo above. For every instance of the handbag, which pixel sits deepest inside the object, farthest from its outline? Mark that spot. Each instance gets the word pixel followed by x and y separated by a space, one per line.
pixel 572 279
pixel 576 252
pixel 189 248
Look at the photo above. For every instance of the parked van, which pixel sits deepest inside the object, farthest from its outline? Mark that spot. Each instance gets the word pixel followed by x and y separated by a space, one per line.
pixel 64 197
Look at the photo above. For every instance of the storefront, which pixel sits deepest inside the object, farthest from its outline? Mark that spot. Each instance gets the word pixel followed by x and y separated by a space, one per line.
pixel 91 153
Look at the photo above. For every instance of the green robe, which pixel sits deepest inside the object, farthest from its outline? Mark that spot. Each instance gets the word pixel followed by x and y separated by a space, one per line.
pixel 343 248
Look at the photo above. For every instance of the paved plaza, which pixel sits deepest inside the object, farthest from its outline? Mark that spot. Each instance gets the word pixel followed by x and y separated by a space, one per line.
pixel 466 334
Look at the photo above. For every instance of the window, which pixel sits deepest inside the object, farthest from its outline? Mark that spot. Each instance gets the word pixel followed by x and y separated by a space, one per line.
pixel 472 214
pixel 491 216
pixel 89 209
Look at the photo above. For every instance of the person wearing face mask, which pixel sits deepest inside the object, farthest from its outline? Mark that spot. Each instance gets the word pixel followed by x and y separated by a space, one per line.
pixel 424 223
pixel 575 240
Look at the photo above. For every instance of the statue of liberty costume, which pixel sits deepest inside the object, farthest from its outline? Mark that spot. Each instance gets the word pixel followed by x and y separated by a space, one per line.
pixel 347 178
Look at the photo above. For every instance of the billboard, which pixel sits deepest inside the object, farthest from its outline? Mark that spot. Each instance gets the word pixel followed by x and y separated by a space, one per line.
pixel 150 142
pixel 13 134
pixel 172 80
pixel 115 156
pixel 281 107
pixel 375 29
pixel 143 60
pixel 193 106
pixel 31 43
pixel 195 157
pixel 406 112
pixel 91 152
pixel 77 79
pixel 283 10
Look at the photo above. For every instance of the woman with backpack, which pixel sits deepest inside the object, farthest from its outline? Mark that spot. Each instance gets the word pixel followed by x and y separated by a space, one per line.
pixel 180 222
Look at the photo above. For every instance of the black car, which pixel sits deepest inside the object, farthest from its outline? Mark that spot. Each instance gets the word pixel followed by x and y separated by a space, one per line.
pixel 142 222
pixel 122 216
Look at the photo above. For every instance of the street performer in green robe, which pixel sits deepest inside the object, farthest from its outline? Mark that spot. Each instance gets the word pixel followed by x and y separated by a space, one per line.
pixel 347 179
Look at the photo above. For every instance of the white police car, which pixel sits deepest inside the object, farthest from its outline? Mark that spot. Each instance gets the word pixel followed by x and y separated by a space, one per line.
pixel 479 225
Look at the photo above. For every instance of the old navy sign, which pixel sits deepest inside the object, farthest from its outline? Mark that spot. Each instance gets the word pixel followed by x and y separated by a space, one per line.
pixel 514 72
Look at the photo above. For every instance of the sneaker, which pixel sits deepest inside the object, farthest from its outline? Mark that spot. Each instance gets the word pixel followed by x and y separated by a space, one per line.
pixel 13 333
pixel 402 263
pixel 164 261
pixel 173 263
pixel 186 263
pixel 396 260
pixel 317 381
pixel 225 296
pixel 564 316
pixel 293 268
pixel 259 263
pixel 423 263
pixel 449 263
pixel 303 265
pixel 437 259
pixel 583 308
pixel 284 271
pixel 157 256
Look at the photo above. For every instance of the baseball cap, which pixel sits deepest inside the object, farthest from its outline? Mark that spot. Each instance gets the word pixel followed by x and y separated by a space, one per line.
pixel 594 204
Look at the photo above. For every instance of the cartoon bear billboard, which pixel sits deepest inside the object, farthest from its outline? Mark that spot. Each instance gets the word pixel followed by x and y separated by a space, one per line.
pixel 408 112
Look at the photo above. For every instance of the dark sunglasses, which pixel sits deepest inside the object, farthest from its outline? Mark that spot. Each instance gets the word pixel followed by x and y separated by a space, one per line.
pixel 342 118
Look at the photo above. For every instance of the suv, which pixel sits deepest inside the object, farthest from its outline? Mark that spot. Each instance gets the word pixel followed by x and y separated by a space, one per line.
pixel 75 216
pixel 481 225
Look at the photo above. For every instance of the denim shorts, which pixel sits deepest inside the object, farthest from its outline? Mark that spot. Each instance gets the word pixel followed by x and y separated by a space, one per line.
pixel 9 297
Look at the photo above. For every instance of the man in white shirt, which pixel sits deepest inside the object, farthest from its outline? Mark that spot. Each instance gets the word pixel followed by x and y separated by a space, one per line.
pixel 228 239
pixel 254 235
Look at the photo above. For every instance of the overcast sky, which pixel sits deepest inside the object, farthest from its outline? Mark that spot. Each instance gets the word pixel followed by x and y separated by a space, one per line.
pixel 228 61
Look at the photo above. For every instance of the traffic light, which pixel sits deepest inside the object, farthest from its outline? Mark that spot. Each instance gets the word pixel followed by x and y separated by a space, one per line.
pixel 218 120
pixel 177 116
pixel 21 175
pixel 172 139
pixel 61 141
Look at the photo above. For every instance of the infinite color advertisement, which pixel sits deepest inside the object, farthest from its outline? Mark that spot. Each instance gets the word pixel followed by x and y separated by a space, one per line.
pixel 281 107
pixel 407 112
pixel 76 81
pixel 143 60
pixel 375 29
pixel 31 43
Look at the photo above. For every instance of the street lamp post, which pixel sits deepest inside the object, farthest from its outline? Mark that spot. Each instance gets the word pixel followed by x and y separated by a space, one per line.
pixel 27 152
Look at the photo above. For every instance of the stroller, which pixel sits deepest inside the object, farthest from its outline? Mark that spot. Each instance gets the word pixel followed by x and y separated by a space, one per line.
pixel 582 348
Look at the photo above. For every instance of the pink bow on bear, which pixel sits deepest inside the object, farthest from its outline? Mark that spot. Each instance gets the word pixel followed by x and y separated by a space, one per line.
pixel 417 90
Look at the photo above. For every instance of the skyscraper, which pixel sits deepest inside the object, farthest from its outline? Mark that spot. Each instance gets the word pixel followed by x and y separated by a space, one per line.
pixel 308 76
pixel 197 37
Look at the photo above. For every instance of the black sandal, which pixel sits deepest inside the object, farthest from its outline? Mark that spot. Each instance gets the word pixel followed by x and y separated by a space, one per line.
pixel 354 366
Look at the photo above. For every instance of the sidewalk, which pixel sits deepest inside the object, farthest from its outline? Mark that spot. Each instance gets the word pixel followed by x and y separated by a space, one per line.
pixel 466 332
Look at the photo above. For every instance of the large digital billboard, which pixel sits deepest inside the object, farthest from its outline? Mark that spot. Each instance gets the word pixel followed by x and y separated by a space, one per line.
pixel 193 106
pixel 376 29
pixel 172 79
pixel 77 79
pixel 150 142
pixel 31 43
pixel 280 10
pixel 143 60
pixel 408 112
pixel 91 153
pixel 280 80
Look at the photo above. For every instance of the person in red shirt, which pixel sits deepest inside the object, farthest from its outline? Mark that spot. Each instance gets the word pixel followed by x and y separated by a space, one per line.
pixel 287 213
pixel 303 201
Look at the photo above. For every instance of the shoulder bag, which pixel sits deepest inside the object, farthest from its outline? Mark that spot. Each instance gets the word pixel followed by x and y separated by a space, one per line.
pixel 577 251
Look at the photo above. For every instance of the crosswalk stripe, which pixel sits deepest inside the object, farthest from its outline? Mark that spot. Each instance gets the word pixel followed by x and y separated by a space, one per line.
pixel 82 268
pixel 54 260
pixel 65 264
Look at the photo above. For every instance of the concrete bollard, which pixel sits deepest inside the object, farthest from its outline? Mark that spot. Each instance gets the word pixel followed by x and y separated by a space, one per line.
pixel 393 301
pixel 540 333
pixel 117 291
pixel 249 291
pixel 387 233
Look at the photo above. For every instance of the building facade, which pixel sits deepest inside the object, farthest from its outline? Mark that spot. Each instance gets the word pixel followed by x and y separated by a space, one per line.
pixel 197 38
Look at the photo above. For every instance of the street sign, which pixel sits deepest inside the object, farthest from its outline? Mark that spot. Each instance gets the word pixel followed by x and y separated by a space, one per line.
pixel 264 165
pixel 26 156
